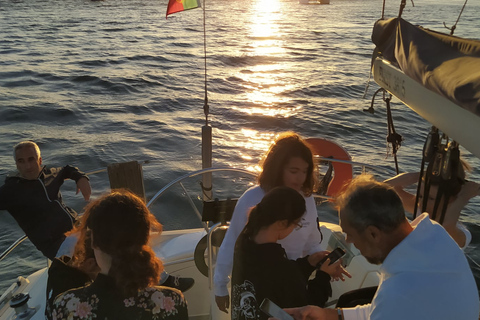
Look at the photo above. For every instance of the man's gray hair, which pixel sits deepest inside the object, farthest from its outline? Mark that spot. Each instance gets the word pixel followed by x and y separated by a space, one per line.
pixel 25 144
pixel 367 202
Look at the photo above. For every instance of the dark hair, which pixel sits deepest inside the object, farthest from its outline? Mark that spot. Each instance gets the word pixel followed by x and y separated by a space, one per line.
pixel 288 145
pixel 120 224
pixel 366 202
pixel 280 203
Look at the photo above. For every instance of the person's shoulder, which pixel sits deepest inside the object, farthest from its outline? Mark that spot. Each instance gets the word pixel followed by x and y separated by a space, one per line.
pixel 68 300
pixel 164 301
pixel 252 194
pixel 254 190
pixel 76 293
pixel 68 304
pixel 12 177
pixel 164 292
pixel 11 185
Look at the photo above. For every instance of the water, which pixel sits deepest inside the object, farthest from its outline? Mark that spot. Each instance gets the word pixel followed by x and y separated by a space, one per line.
pixel 101 82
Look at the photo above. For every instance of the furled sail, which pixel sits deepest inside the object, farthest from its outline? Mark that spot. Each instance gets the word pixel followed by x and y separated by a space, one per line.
pixel 447 65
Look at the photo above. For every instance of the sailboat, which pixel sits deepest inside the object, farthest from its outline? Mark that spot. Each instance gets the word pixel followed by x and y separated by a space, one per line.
pixel 314 1
pixel 191 252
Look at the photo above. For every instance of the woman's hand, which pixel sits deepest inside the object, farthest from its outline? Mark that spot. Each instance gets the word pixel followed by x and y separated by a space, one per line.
pixel 335 270
pixel 223 303
pixel 83 185
pixel 315 258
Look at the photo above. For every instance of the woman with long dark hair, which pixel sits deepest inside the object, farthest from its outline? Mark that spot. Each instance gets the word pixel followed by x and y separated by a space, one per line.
pixel 119 225
pixel 261 268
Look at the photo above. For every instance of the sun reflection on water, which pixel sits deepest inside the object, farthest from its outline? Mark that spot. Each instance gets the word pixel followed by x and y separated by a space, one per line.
pixel 265 83
pixel 255 140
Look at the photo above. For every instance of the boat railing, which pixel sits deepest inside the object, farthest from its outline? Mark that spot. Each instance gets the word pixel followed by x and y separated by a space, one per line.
pixel 364 166
pixel 12 247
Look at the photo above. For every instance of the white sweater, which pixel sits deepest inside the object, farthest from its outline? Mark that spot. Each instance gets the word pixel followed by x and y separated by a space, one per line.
pixel 298 244
pixel 426 276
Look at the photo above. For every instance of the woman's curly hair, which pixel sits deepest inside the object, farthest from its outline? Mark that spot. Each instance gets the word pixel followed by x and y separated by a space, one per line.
pixel 120 226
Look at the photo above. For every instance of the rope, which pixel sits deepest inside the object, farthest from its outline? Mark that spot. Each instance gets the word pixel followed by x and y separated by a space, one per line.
pixel 371 109
pixel 205 191
pixel 394 138
pixel 402 6
pixel 452 29
pixel 383 10
pixel 367 85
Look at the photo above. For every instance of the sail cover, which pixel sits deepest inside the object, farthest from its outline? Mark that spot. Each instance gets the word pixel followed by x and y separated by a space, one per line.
pixel 447 65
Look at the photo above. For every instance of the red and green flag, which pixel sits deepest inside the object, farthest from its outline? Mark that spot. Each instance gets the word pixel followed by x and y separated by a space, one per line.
pixel 181 5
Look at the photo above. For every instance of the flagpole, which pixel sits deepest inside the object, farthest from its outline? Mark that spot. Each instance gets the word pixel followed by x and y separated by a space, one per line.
pixel 206 129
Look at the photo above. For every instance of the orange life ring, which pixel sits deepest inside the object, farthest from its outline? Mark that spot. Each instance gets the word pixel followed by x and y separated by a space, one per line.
pixel 343 172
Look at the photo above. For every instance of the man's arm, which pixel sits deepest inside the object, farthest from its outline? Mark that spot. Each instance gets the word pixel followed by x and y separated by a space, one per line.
pixel 7 195
pixel 83 183
pixel 3 198
pixel 399 182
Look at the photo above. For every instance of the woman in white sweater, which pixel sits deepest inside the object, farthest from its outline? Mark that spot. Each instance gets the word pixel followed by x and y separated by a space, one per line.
pixel 288 162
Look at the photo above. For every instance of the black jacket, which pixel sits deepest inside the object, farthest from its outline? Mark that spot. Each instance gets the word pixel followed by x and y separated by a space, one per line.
pixel 264 271
pixel 38 208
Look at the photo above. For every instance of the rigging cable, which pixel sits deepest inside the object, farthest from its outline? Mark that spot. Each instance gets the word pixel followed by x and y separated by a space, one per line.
pixel 402 6
pixel 452 29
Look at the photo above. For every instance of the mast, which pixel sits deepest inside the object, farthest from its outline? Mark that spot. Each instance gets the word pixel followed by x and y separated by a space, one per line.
pixel 206 129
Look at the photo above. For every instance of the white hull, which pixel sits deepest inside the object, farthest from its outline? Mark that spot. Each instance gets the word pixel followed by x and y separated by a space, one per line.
pixel 176 250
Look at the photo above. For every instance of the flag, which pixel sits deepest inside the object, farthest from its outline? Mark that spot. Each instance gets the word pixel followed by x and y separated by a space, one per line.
pixel 181 5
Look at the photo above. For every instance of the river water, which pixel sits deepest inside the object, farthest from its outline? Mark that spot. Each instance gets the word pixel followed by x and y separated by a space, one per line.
pixel 98 82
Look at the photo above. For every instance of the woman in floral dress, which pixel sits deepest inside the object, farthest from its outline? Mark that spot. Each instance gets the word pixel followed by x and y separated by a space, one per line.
pixel 119 225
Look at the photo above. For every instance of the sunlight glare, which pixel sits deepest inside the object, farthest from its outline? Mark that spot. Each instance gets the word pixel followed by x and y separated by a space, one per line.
pixel 265 83
pixel 257 141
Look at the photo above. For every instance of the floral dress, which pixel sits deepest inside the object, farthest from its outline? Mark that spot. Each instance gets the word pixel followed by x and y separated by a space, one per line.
pixel 102 301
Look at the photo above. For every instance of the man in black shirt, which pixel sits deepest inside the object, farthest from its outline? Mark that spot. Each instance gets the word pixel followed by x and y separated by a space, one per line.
pixel 32 196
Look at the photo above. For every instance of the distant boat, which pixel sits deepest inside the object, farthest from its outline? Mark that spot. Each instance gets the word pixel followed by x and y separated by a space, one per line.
pixel 314 1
